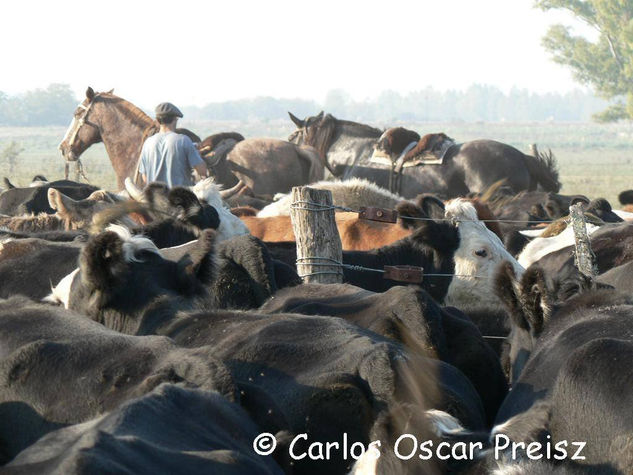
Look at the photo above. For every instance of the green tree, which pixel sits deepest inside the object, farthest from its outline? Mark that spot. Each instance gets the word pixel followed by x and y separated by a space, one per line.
pixel 606 63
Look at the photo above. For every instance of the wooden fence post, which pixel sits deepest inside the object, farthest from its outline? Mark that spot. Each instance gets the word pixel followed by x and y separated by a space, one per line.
pixel 316 234
pixel 584 258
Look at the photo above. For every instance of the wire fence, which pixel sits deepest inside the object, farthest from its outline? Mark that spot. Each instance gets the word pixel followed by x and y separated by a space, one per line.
pixel 310 206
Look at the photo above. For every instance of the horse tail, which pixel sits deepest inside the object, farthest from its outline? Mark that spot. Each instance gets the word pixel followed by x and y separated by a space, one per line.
pixel 543 171
pixel 313 157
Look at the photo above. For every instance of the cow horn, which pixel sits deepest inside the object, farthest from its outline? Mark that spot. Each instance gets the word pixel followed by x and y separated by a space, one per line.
pixel 225 194
pixel 135 192
pixel 298 122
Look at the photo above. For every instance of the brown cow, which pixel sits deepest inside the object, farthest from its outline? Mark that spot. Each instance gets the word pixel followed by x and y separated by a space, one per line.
pixel 356 234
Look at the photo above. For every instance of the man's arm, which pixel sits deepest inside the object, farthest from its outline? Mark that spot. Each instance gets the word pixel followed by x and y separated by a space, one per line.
pixel 195 161
pixel 202 170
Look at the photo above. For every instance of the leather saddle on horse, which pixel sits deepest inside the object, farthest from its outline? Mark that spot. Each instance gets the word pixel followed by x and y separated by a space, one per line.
pixel 429 150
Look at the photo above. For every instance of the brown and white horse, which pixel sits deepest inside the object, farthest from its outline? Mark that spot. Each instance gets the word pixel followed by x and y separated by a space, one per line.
pixel 262 167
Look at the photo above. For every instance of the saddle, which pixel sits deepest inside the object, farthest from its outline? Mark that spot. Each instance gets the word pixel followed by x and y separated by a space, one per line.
pixel 429 150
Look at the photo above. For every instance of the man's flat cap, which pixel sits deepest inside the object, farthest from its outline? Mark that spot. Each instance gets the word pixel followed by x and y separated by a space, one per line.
pixel 167 108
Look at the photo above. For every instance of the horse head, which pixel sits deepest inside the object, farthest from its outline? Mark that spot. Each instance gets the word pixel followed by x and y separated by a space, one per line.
pixel 316 131
pixel 84 130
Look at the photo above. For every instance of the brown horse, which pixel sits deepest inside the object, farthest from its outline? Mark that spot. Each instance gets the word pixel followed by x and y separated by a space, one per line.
pixel 263 166
pixel 120 125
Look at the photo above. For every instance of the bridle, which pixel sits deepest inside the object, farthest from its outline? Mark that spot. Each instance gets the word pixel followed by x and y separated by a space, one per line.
pixel 82 121
pixel 79 169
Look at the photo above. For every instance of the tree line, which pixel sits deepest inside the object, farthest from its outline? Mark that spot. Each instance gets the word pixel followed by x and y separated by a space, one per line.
pixel 477 103
pixel 55 104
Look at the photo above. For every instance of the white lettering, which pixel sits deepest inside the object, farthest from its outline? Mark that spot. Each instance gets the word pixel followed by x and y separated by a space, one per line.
pixel 292 447
pixel 581 446
pixel 413 449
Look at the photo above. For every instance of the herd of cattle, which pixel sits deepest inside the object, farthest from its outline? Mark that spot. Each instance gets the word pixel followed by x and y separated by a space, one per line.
pixel 163 330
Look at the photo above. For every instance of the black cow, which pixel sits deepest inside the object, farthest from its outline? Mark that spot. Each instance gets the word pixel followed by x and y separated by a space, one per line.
pixel 32 267
pixel 409 316
pixel 18 201
pixel 169 430
pixel 571 346
pixel 620 277
pixel 59 368
pixel 246 275
pixel 318 375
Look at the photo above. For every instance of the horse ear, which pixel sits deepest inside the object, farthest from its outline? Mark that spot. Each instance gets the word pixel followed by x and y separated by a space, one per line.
pixel 298 122
pixel 110 91
pixel 90 94
pixel 320 115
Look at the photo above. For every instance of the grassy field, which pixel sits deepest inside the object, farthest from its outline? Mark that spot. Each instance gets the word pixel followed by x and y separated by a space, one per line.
pixel 594 159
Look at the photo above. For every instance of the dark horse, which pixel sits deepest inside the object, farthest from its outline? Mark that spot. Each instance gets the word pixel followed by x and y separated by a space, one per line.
pixel 347 148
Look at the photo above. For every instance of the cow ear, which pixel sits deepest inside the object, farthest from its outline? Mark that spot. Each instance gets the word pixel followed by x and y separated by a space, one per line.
pixel 442 237
pixel 157 196
pixel 506 288
pixel 60 202
pixel 432 205
pixel 102 261
pixel 199 263
pixel 407 210
pixel 298 122
pixel 90 94
pixel 535 299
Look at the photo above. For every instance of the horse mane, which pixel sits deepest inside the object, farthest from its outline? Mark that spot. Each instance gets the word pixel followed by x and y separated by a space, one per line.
pixel 154 127
pixel 129 110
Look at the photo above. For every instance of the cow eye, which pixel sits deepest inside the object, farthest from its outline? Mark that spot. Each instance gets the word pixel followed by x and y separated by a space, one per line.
pixel 481 253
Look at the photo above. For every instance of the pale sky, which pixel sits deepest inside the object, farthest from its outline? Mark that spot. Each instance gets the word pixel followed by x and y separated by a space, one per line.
pixel 195 52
